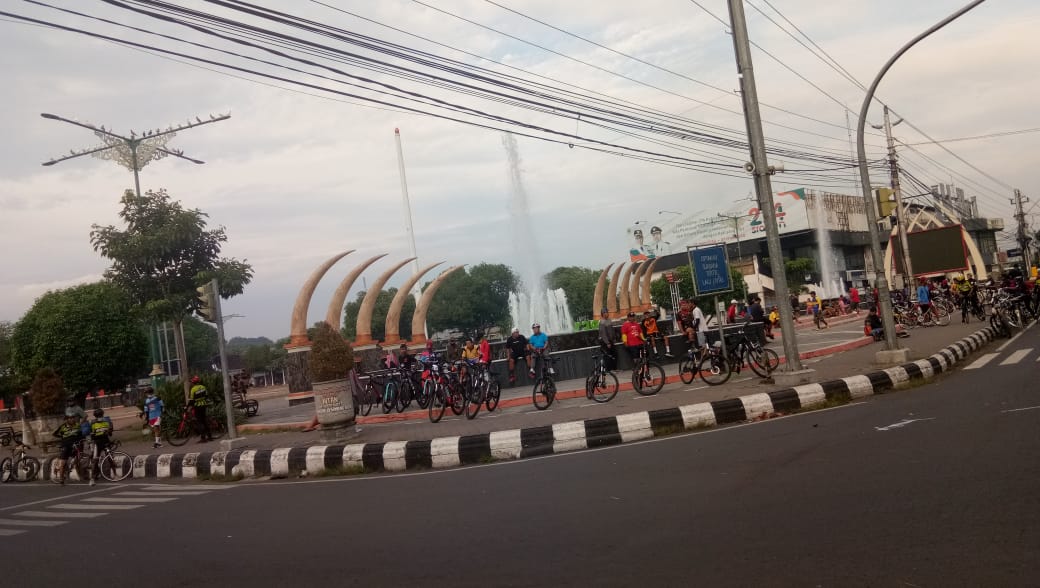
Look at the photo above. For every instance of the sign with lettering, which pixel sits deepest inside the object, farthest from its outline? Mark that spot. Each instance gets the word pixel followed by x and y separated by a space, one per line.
pixel 710 268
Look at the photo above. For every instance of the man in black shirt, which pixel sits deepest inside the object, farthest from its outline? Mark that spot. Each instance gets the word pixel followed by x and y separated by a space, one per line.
pixel 517 345
pixel 758 315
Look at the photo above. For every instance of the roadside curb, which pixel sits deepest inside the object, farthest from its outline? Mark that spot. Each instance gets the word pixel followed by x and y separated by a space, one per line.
pixel 444 452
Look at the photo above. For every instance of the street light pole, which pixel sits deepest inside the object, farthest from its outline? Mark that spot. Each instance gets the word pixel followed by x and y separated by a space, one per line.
pixel 893 171
pixel 761 170
pixel 894 353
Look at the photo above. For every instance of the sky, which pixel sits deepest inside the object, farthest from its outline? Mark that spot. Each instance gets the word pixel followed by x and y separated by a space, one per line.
pixel 297 174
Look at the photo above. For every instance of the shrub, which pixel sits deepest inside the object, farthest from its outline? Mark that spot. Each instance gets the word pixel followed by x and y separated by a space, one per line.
pixel 331 356
pixel 47 393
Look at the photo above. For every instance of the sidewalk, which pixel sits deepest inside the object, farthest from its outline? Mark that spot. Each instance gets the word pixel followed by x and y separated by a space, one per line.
pixel 516 412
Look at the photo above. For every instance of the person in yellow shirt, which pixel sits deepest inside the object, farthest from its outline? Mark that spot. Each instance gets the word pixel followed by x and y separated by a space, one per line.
pixel 470 356
pixel 774 317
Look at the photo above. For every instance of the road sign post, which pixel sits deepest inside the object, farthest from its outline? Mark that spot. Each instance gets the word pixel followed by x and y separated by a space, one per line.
pixel 709 266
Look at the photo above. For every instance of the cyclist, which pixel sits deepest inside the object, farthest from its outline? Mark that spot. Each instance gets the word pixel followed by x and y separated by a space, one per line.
pixel 100 433
pixel 152 412
pixel 537 344
pixel 517 345
pixel 685 316
pixel 69 434
pixel 699 327
pixel 485 351
pixel 924 298
pixel 816 307
pixel 653 334
pixel 470 356
pixel 198 400
pixel 963 290
pixel 632 337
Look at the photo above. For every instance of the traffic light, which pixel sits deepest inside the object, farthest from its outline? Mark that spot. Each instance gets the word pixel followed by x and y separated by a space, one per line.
pixel 207 303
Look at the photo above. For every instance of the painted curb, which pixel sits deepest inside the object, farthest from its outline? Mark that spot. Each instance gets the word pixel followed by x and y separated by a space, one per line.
pixel 446 452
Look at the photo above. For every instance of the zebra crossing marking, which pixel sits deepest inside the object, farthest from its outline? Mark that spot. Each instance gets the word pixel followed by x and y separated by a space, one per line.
pixel 17 523
pixel 149 499
pixel 70 506
pixel 1016 356
pixel 982 361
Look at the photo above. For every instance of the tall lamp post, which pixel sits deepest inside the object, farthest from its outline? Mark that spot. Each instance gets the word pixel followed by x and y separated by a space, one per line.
pixel 892 353
pixel 134 152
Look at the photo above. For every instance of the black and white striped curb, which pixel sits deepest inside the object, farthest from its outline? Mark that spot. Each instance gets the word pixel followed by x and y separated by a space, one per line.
pixel 445 452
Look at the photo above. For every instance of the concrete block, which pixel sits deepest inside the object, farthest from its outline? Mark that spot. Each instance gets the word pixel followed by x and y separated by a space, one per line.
pixel 792 378
pixel 890 357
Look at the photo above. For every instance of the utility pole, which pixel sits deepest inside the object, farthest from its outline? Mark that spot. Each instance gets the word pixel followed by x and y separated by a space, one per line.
pixel 761 170
pixel 1023 228
pixel 893 170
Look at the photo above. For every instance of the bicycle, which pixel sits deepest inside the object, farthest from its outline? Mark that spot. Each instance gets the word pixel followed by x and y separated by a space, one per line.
pixel 602 384
pixel 20 467
pixel 647 375
pixel 445 391
pixel 177 431
pixel 115 465
pixel 714 367
pixel 762 361
pixel 544 391
pixel 79 462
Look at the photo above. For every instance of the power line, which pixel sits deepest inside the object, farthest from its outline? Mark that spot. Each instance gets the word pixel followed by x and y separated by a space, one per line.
pixel 974 137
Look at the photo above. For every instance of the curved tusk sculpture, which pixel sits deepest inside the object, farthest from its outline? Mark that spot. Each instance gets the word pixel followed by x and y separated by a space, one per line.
pixel 393 316
pixel 298 324
pixel 597 295
pixel 368 305
pixel 335 311
pixel 419 318
pixel 611 295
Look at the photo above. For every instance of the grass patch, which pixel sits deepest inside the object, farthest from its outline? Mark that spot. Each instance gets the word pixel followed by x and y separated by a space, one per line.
pixel 827 403
pixel 244 432
pixel 220 478
pixel 663 430
pixel 487 458
pixel 341 471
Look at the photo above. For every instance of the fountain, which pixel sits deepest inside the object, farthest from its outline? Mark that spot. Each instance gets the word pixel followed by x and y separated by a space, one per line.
pixel 829 286
pixel 534 302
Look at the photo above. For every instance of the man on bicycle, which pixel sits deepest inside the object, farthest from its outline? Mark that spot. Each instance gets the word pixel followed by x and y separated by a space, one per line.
pixel 517 345
pixel 607 340
pixel 100 433
pixel 924 299
pixel 632 337
pixel 69 434
pixel 198 400
pixel 470 356
pixel 537 344
pixel 152 412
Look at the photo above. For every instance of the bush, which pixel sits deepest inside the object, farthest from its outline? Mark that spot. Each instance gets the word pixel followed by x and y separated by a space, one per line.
pixel 331 357
pixel 47 393
pixel 172 394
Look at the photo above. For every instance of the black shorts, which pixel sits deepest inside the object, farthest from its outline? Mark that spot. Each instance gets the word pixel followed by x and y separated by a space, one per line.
pixel 518 354
pixel 66 450
pixel 100 444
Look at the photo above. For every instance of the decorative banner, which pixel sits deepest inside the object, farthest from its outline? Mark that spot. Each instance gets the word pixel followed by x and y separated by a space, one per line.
pixel 742 221
pixel 710 268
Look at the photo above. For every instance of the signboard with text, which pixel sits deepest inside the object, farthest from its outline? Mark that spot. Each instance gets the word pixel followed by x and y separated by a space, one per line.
pixel 710 268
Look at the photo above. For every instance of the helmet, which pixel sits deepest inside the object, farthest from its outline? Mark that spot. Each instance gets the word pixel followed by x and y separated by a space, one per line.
pixel 69 412
pixel 195 379
pixel 536 326
pixel 98 413
pixel 631 314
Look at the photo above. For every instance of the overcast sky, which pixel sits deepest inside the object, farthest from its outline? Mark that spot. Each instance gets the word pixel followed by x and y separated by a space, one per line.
pixel 296 178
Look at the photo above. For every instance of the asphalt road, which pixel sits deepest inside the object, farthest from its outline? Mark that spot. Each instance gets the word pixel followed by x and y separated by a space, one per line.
pixel 934 486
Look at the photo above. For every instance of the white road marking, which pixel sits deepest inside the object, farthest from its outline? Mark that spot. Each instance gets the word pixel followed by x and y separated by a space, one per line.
pixel 194 488
pixel 66 497
pixel 159 493
pixel 1016 356
pixel 97 506
pixel 901 424
pixel 1021 409
pixel 9 532
pixel 1012 340
pixel 982 361
pixel 60 515
pixel 17 523
pixel 128 500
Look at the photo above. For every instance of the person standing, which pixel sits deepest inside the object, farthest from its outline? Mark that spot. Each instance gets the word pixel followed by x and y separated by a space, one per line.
pixel 854 299
pixel 100 433
pixel 152 412
pixel 607 341
pixel 517 346
pixel 796 307
pixel 632 337
pixel 924 299
pixel 758 315
pixel 485 351
pixel 198 400
pixel 816 307
pixel 731 312
pixel 68 435
pixel 699 326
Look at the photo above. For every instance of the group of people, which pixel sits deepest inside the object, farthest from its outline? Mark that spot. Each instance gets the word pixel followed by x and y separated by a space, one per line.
pixel 77 427
pixel 637 335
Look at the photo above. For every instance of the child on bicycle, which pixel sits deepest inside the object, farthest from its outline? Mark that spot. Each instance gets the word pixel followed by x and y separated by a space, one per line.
pixel 100 432
pixel 69 434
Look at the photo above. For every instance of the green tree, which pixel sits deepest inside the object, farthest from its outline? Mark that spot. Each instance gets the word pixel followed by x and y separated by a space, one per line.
pixel 241 344
pixel 87 334
pixel 162 256
pixel 8 383
pixel 382 308
pixel 796 269
pixel 660 293
pixel 200 342
pixel 474 301
pixel 258 358
pixel 579 284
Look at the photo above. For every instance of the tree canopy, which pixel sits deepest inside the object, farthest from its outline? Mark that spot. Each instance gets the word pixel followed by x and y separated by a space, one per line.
pixel 87 334
pixel 383 301
pixel 579 283
pixel 475 300
pixel 8 383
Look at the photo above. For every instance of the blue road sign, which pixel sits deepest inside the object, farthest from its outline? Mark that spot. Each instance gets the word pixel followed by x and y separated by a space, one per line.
pixel 710 267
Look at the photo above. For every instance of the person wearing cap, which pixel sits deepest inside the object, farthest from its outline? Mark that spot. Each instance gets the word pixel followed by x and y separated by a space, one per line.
pixel 653 334
pixel 517 346
pixel 731 312
pixel 607 339
pixel 632 337
pixel 537 344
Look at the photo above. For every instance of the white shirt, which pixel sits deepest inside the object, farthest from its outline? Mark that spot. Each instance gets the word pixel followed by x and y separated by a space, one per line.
pixel 702 326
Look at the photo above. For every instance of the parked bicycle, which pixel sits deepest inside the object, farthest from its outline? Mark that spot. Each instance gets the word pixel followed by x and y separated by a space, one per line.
pixel 544 391
pixel 445 390
pixel 742 349
pixel 178 430
pixel 602 384
pixel 20 467
pixel 647 374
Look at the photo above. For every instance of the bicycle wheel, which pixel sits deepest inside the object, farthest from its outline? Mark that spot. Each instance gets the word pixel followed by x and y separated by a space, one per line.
pixel 603 387
pixel 116 466
pixel 474 402
pixel 686 371
pixel 543 393
pixel 426 395
pixel 763 361
pixel 389 397
pixel 6 470
pixel 494 393
pixel 180 433
pixel 650 380
pixel 458 400
pixel 404 395
pixel 372 396
pixel 26 469
pixel 942 317
pixel 715 370
pixel 422 396
pixel 438 402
